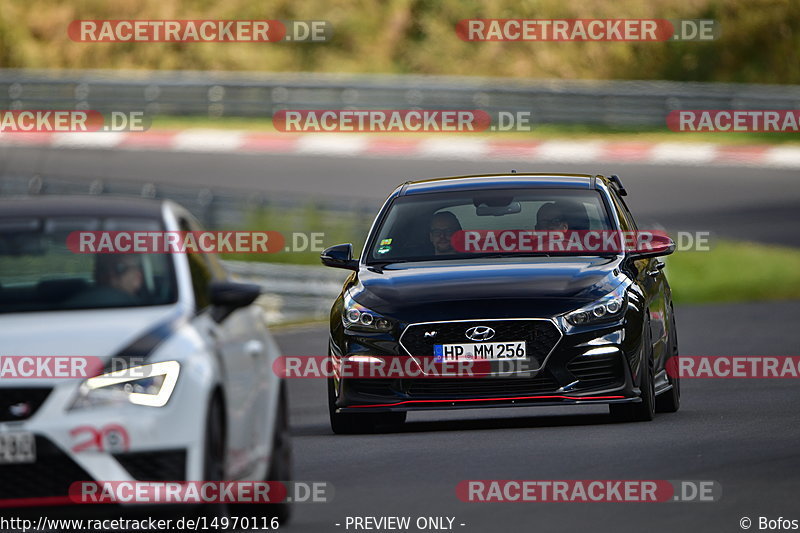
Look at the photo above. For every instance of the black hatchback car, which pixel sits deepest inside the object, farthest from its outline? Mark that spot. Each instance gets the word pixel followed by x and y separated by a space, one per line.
pixel 446 277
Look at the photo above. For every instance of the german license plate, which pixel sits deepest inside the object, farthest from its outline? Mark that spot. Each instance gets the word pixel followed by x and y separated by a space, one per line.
pixel 18 447
pixel 479 351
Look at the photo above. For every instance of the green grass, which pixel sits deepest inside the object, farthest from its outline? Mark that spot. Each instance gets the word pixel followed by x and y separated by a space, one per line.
pixel 735 272
pixel 538 133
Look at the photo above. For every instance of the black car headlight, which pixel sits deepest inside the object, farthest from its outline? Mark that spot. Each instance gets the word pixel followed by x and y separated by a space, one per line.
pixel 607 309
pixel 356 316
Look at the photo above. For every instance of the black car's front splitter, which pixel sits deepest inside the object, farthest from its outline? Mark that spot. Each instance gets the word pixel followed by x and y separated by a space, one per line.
pixel 442 404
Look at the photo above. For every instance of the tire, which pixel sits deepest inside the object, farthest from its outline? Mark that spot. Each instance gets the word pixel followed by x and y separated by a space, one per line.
pixel 670 401
pixel 646 409
pixel 214 454
pixel 354 423
pixel 280 468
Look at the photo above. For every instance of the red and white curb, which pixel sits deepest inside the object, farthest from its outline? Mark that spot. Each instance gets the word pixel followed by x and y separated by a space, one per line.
pixel 428 147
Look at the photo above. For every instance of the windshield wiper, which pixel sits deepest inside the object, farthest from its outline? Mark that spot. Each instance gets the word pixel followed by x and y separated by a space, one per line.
pixel 494 256
pixel 381 264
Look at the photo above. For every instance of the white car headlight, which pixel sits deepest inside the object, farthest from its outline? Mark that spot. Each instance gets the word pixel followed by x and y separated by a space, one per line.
pixel 356 316
pixel 150 385
pixel 607 309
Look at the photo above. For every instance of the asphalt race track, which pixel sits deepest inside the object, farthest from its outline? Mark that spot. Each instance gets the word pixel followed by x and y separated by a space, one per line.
pixel 739 432
pixel 737 202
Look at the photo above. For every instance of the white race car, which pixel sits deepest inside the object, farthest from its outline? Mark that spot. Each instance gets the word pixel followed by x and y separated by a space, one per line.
pixel 208 407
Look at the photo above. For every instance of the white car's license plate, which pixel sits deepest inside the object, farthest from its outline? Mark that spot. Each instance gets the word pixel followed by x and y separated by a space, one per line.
pixel 479 351
pixel 18 447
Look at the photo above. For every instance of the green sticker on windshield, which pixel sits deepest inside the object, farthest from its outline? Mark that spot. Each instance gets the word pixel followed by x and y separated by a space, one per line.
pixel 384 249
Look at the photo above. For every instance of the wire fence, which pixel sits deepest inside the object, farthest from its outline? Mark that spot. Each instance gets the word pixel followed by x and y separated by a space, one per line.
pixel 215 207
pixel 216 94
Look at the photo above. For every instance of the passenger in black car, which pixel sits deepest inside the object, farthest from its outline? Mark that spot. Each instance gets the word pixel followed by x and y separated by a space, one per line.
pixel 550 218
pixel 443 225
pixel 562 216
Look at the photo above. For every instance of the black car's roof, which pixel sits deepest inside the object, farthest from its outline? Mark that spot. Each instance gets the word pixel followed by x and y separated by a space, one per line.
pixel 98 206
pixel 498 181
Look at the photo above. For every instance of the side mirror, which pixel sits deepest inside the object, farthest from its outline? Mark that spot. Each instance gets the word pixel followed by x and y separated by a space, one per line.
pixel 339 256
pixel 228 296
pixel 658 244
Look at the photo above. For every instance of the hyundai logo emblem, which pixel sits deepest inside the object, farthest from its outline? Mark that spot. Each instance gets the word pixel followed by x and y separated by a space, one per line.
pixel 480 333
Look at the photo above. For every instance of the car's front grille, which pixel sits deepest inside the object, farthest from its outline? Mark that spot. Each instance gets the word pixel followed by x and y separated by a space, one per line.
pixel 51 475
pixel 19 403
pixel 540 336
pixel 597 370
pixel 376 386
pixel 169 465
pixel 488 387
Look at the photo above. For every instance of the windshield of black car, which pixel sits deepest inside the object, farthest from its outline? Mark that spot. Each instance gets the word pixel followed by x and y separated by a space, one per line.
pixel 39 272
pixel 467 224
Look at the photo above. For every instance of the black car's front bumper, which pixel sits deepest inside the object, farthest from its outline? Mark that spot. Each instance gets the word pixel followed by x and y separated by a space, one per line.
pixel 580 366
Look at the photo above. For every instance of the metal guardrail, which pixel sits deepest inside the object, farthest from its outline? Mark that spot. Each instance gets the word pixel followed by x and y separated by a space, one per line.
pixel 216 208
pixel 613 103
pixel 291 292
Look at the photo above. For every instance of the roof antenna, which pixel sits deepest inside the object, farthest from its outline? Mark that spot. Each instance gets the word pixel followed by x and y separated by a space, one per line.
pixel 513 170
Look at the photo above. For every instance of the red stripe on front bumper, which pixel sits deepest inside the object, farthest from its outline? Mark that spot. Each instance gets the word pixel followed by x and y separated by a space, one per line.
pixel 491 400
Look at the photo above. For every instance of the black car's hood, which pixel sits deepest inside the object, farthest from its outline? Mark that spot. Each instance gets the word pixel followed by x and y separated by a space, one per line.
pixel 486 288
